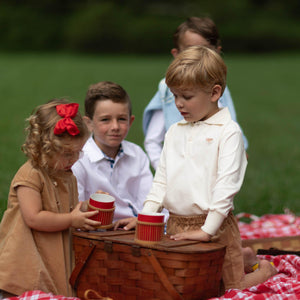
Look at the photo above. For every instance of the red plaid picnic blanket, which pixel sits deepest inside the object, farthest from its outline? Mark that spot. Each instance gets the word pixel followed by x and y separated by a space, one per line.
pixel 283 286
pixel 34 295
pixel 286 284
pixel 269 225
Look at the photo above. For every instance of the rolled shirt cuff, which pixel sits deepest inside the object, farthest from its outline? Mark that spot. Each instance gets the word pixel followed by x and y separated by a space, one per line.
pixel 213 222
pixel 150 207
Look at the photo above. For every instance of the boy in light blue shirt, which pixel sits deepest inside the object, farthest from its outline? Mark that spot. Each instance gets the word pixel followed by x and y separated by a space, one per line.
pixel 161 111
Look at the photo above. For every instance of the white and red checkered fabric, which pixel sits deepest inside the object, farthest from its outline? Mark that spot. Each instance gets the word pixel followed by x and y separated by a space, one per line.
pixel 269 226
pixel 286 284
pixel 283 286
pixel 37 295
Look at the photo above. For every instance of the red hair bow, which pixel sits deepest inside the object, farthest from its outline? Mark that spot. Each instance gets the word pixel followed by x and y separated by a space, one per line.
pixel 67 111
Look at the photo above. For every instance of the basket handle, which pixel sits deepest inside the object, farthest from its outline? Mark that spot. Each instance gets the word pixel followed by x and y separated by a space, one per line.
pixel 82 260
pixel 163 277
pixel 95 295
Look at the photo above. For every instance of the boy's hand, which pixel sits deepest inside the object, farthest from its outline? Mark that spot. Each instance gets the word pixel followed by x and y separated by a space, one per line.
pixel 197 235
pixel 80 220
pixel 126 224
pixel 101 192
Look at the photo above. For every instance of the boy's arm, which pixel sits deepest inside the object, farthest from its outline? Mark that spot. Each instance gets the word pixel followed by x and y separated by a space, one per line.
pixel 154 137
pixel 144 182
pixel 157 193
pixel 80 174
pixel 232 164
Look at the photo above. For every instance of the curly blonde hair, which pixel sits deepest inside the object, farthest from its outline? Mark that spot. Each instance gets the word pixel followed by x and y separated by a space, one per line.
pixel 41 144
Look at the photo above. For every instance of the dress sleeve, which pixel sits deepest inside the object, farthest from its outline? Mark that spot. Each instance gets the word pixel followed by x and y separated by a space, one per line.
pixel 29 177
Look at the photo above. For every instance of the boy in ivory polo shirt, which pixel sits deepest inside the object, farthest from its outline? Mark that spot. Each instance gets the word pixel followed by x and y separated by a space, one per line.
pixel 202 166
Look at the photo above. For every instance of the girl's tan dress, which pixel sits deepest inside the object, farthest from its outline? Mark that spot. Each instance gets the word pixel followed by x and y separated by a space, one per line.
pixel 36 260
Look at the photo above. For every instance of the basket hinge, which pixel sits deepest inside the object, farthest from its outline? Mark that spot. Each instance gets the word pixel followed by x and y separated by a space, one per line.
pixel 108 246
pixel 135 250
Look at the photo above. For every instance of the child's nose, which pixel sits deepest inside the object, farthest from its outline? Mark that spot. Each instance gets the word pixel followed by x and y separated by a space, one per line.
pixel 178 103
pixel 115 124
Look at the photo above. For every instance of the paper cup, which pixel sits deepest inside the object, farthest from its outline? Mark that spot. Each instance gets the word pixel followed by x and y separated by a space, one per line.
pixel 103 201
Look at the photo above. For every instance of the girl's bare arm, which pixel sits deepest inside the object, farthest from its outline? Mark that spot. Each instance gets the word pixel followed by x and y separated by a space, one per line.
pixel 36 218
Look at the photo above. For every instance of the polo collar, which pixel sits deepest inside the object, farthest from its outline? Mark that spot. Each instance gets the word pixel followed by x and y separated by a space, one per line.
pixel 220 118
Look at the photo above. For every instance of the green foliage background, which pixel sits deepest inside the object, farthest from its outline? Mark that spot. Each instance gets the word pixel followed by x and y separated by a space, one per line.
pixel 264 89
pixel 55 48
pixel 141 26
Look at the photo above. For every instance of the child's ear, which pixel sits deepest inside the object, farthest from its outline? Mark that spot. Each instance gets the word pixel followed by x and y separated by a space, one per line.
pixel 88 123
pixel 132 117
pixel 174 52
pixel 216 93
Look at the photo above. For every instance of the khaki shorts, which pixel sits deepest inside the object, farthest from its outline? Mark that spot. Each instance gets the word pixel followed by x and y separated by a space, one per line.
pixel 228 235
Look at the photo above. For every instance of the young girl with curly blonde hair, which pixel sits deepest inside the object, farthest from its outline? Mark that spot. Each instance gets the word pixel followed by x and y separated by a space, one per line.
pixel 35 239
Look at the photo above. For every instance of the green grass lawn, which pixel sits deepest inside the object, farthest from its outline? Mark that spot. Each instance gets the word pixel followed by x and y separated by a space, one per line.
pixel 264 90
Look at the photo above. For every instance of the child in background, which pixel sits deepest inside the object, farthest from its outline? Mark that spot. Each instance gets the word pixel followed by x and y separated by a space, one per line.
pixel 35 239
pixel 110 163
pixel 202 166
pixel 161 111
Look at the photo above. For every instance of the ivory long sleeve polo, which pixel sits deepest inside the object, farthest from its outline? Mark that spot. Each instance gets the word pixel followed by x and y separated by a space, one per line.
pixel 201 168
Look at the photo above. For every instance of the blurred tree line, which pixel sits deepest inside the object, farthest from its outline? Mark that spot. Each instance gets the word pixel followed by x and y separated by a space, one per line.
pixel 142 26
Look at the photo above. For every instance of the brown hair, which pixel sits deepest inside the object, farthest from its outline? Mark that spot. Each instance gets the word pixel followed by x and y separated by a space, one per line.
pixel 197 66
pixel 105 90
pixel 202 26
pixel 41 143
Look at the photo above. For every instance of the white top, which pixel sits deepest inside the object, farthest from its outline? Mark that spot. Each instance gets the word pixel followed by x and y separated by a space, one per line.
pixel 201 168
pixel 128 177
pixel 154 137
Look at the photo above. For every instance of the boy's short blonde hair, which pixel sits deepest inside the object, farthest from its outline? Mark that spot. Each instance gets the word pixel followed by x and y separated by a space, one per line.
pixel 197 66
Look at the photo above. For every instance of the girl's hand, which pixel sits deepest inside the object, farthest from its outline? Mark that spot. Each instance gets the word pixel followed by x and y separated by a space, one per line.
pixel 80 220
pixel 84 206
pixel 197 235
pixel 126 224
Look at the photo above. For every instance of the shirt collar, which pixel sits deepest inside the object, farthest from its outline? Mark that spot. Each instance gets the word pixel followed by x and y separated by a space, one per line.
pixel 220 118
pixel 95 154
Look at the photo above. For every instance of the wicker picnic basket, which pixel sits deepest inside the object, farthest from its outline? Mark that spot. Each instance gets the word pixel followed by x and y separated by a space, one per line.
pixel 114 265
